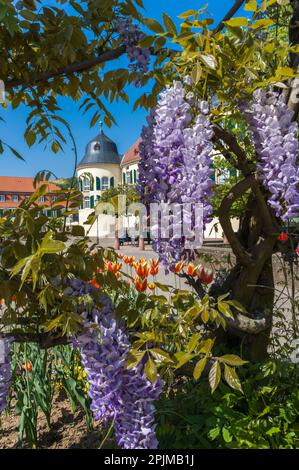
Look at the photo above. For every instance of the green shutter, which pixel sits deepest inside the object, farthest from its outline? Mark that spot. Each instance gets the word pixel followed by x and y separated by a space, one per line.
pixel 58 213
pixel 131 176
pixel 233 173
pixel 98 183
pixel 124 178
pixel 91 184
pixel 49 213
pixel 112 182
pixel 80 185
pixel 81 204
pixel 213 176
pixel 92 202
pixel 1 212
pixel 135 176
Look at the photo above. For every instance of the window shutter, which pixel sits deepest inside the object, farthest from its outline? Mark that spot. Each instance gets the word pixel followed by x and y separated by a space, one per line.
pixel 91 183
pixel 131 176
pixel 98 183
pixel 135 176
pixel 91 202
pixel 233 173
pixel 124 178
pixel 112 182
pixel 213 176
pixel 80 185
pixel 49 213
pixel 1 212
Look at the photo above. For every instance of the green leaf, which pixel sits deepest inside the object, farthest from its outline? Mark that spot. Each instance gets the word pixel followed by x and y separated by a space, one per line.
pixel 209 60
pixel 153 25
pixel 285 72
pixel 196 73
pixel 169 24
pixel 237 22
pixel 214 376
pixel 232 378
pixel 150 370
pixel 188 13
pixel 193 342
pixel 160 356
pixel 182 358
pixel 251 5
pixel 232 360
pixel 199 368
pixel 226 435
pixel 264 23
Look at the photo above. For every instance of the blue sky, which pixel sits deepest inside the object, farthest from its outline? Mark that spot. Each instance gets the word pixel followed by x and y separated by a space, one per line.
pixel 129 123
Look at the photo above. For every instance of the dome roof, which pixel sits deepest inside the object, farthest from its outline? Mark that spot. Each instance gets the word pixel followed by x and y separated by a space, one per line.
pixel 100 150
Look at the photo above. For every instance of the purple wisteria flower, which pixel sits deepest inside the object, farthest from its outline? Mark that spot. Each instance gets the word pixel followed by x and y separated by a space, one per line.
pixel 275 138
pixel 130 36
pixel 118 393
pixel 175 166
pixel 5 371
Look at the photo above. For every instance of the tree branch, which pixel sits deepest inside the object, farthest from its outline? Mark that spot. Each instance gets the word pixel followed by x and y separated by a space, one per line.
pixel 241 254
pixel 76 67
pixel 247 325
pixel 237 5
pixel 44 340
pixel 233 145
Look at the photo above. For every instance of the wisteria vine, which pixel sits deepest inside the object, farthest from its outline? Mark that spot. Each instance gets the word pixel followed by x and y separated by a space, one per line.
pixel 176 161
pixel 131 36
pixel 275 137
pixel 5 371
pixel 124 395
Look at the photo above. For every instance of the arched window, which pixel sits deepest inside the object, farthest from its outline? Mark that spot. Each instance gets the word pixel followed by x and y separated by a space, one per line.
pixel 105 183
pixel 86 202
pixel 86 184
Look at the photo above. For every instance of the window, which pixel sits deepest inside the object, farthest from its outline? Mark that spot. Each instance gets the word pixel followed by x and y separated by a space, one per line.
pixel 53 198
pixel 42 199
pixel 98 183
pixel 15 198
pixel 105 183
pixel 86 202
pixel 86 184
pixel 128 177
pixel 2 197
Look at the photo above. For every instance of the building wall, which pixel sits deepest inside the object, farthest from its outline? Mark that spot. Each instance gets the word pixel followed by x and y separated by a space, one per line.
pixel 105 170
pixel 129 173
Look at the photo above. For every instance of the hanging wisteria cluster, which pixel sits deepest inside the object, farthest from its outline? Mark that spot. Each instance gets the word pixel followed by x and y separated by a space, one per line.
pixel 275 138
pixel 124 395
pixel 5 371
pixel 131 36
pixel 175 166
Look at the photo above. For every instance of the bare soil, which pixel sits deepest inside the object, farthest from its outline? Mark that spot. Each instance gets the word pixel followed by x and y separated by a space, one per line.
pixel 68 429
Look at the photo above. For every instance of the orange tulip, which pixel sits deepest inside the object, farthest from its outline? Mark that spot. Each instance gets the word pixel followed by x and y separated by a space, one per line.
pixel 178 267
pixel 142 269
pixel 205 275
pixel 113 267
pixel 27 366
pixel 151 286
pixel 154 268
pixel 140 284
pixel 129 260
pixel 94 283
pixel 191 270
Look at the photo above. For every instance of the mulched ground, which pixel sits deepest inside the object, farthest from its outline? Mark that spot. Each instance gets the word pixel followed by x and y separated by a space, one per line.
pixel 68 430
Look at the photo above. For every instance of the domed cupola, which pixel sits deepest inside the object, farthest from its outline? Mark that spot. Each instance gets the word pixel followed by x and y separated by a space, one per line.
pixel 100 150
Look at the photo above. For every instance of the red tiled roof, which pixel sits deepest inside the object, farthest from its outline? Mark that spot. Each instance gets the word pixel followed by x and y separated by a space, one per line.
pixel 132 154
pixel 21 185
